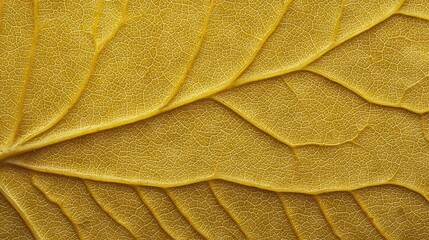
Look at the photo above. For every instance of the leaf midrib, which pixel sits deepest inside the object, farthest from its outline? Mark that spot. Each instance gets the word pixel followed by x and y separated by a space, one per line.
pixel 20 148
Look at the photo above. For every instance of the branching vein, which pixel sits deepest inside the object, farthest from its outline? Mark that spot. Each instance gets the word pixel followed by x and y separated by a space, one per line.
pixel 365 211
pixel 28 70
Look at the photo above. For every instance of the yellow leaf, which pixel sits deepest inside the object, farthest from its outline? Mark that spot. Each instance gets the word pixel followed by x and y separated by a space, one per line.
pixel 280 119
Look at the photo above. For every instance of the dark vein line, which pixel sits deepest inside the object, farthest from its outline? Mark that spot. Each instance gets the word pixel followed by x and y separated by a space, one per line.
pixel 9 151
pixel 368 216
pixel 167 191
pixel 423 127
pixel 215 177
pixel 230 83
pixel 70 135
pixel 99 49
pixel 97 19
pixel 74 226
pixel 317 198
pixel 408 88
pixel 261 44
pixel 151 211
pixel 193 57
pixel 67 136
pixel 94 199
pixel 258 126
pixel 361 95
pixel 338 22
pixel 283 204
pixel 278 138
pixel 226 210
pixel 20 212
pixel 9 205
pixel 325 50
pixel 28 71
pixel 412 15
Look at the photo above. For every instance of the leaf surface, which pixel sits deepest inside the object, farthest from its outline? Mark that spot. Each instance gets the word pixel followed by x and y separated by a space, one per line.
pixel 287 119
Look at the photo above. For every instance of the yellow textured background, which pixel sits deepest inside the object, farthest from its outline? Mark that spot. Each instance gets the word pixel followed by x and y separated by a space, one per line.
pixel 296 119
